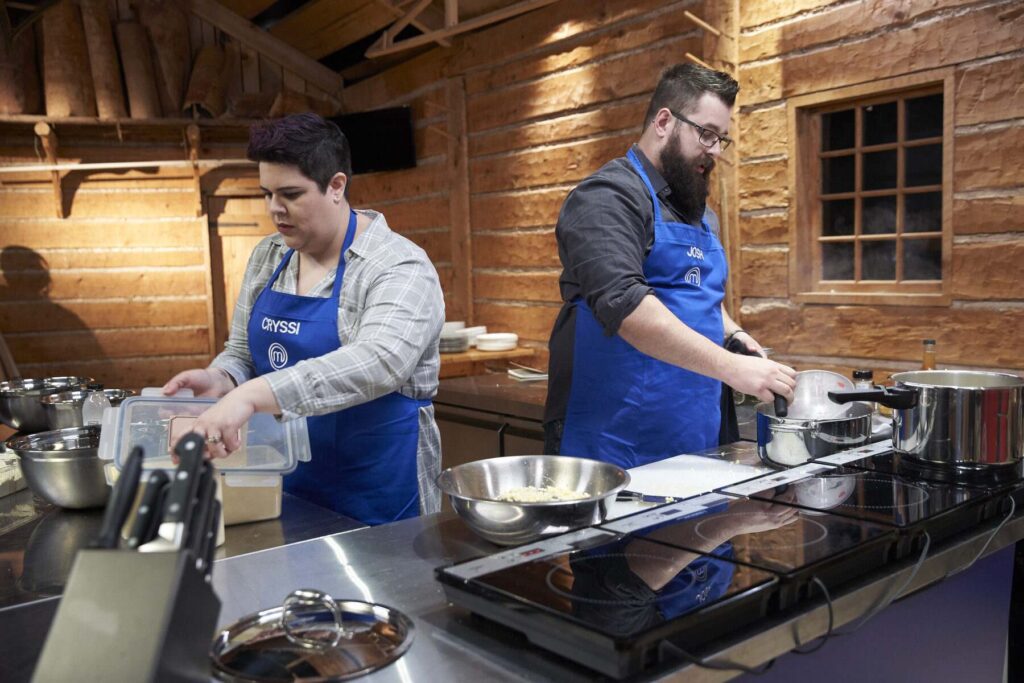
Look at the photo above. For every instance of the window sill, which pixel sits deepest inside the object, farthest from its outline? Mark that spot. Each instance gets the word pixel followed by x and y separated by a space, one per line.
pixel 873 298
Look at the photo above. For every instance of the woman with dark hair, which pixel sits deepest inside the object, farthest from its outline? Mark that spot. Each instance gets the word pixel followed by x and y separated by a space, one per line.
pixel 338 321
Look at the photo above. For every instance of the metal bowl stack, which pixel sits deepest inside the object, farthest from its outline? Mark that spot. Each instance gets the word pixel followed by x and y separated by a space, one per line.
pixel 21 404
pixel 474 489
pixel 64 409
pixel 63 467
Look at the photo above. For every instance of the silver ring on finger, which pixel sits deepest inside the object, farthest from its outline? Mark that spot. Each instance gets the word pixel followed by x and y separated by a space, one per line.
pixel 213 438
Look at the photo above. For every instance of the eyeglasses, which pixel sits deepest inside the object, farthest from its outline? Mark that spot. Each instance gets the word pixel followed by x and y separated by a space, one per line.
pixel 708 137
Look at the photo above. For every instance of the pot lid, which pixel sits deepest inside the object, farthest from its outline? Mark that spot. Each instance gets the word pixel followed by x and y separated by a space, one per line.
pixel 311 637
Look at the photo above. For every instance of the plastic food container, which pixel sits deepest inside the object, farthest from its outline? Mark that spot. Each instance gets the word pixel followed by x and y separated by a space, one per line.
pixel 497 341
pixel 251 477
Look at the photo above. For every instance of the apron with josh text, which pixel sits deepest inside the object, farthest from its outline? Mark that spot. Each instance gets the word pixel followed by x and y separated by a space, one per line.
pixel 626 407
pixel 364 457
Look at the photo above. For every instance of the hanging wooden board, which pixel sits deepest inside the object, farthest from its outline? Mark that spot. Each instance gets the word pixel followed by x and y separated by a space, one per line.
pixel 143 101
pixel 19 75
pixel 168 28
pixel 103 62
pixel 206 85
pixel 66 79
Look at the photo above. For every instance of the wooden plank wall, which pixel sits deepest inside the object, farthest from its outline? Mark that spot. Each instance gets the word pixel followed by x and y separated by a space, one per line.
pixel 805 46
pixel 118 289
pixel 549 98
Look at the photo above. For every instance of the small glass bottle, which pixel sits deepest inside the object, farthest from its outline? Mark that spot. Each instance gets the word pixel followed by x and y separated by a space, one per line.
pixel 928 357
pixel 864 380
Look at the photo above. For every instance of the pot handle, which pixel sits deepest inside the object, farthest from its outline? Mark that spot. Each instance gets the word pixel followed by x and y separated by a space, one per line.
pixel 896 398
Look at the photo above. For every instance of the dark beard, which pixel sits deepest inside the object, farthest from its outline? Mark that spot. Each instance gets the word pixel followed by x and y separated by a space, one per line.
pixel 689 188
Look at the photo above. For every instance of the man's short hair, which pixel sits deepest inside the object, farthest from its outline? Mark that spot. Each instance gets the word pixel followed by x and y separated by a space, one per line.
pixel 315 146
pixel 683 84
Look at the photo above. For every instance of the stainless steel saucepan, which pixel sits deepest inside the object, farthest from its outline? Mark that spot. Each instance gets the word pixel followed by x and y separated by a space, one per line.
pixel 954 418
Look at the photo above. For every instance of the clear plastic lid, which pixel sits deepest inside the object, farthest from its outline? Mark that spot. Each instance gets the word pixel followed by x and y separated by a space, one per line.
pixel 155 423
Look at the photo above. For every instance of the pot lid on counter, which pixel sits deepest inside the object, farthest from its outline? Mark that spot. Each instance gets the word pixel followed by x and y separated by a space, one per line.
pixel 311 637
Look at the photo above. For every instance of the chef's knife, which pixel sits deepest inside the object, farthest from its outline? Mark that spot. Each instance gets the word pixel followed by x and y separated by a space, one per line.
pixel 150 506
pixel 121 500
pixel 180 496
pixel 195 538
pixel 210 548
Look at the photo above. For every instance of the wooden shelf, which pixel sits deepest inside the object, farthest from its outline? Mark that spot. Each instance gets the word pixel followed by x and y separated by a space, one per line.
pixel 472 362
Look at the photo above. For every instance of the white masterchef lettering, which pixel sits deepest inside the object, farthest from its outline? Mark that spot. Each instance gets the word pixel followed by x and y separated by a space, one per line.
pixel 281 326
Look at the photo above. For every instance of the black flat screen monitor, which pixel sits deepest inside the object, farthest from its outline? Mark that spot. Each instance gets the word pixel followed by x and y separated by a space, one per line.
pixel 381 139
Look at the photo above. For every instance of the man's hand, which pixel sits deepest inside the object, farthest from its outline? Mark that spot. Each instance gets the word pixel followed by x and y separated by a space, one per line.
pixel 760 377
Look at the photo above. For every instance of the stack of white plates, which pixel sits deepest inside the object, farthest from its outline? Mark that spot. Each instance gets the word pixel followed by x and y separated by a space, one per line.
pixel 455 341
pixel 497 341
pixel 473 332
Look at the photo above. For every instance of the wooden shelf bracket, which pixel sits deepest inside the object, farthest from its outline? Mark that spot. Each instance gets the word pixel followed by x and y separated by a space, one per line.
pixel 48 139
pixel 192 142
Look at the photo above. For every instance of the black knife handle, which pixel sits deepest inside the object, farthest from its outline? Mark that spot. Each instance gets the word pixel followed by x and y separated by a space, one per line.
pixel 121 499
pixel 148 514
pixel 195 535
pixel 186 478
pixel 210 549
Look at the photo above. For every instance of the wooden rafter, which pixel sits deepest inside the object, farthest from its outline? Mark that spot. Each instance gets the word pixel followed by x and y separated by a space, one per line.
pixel 386 44
pixel 428 19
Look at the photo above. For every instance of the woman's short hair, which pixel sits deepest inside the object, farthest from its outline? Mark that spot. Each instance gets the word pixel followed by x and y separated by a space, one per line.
pixel 315 146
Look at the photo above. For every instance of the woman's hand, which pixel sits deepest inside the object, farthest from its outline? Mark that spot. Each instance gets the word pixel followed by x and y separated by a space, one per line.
pixel 222 423
pixel 207 383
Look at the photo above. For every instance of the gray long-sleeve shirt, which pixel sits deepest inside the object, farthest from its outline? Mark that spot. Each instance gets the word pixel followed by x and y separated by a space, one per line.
pixel 390 313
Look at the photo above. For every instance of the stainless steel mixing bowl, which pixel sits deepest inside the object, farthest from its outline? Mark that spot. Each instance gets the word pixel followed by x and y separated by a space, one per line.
pixel 20 404
pixel 64 409
pixel 474 489
pixel 62 466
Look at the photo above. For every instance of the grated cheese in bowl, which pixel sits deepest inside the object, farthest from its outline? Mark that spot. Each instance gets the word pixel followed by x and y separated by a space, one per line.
pixel 541 494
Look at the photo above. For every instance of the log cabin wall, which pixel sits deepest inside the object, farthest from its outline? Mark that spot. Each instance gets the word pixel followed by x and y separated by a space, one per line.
pixel 514 117
pixel 795 48
pixel 129 275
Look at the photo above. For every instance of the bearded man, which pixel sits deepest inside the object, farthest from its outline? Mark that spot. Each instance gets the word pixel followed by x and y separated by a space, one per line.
pixel 637 358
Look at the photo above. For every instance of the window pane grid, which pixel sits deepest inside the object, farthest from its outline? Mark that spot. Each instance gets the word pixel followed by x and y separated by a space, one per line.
pixel 877 248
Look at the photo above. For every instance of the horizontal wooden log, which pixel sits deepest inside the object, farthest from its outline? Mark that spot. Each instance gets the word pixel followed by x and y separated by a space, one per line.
pixel 965 335
pixel 764 11
pixel 530 322
pixel 762 185
pixel 988 270
pixel 517 286
pixel 83 345
pixel 428 212
pixel 121 373
pixel 113 257
pixel 988 214
pixel 422 180
pixel 53 234
pixel 43 317
pixel 764 272
pixel 584 48
pixel 988 159
pixel 517 209
pixel 55 285
pixel 554 25
pixel 618 77
pixel 614 117
pixel 764 227
pixel 515 249
pixel 763 132
pixel 950 39
pixel 836 23
pixel 394 85
pixel 110 204
pixel 990 92
pixel 547 166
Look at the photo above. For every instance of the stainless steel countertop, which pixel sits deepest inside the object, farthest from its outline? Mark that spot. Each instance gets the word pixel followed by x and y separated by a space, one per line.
pixel 394 565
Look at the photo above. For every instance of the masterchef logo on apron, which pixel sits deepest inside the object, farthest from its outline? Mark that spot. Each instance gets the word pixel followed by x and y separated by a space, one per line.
pixel 277 355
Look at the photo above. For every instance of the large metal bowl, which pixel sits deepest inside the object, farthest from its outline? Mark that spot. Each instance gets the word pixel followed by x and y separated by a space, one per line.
pixel 20 400
pixel 474 489
pixel 62 467
pixel 64 409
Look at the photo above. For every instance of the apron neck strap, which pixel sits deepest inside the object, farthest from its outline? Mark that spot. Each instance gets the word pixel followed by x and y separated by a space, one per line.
pixel 350 235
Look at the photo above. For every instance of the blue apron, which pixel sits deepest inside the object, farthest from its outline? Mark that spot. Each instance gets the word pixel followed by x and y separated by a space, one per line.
pixel 364 457
pixel 626 407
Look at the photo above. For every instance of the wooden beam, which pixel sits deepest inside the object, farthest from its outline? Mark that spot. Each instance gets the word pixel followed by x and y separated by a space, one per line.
pixel 451 13
pixel 379 50
pixel 458 200
pixel 405 20
pixel 430 19
pixel 49 141
pixel 192 142
pixel 276 50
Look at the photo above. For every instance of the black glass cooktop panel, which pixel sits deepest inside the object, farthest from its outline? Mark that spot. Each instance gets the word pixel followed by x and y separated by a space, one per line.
pixel 775 536
pixel 874 496
pixel 995 478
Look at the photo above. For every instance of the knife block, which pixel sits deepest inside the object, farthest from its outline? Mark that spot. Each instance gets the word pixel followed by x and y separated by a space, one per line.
pixel 129 616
